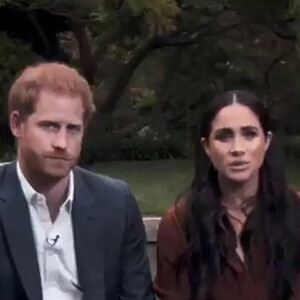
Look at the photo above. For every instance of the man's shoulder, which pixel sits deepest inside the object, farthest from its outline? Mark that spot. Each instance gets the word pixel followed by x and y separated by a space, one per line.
pixel 100 181
pixel 112 193
pixel 7 165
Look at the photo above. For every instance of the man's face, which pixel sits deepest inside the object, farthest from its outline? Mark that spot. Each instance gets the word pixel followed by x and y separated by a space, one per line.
pixel 49 140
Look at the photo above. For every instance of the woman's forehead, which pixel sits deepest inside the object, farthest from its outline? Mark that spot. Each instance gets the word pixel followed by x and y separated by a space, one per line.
pixel 235 116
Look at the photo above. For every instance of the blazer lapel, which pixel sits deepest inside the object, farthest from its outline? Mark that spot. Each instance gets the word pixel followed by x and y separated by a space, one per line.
pixel 88 241
pixel 15 217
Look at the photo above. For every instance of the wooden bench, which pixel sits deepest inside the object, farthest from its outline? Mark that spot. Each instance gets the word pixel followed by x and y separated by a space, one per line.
pixel 151 227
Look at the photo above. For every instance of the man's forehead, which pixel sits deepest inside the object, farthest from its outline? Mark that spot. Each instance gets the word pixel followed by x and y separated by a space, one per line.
pixel 60 118
pixel 59 110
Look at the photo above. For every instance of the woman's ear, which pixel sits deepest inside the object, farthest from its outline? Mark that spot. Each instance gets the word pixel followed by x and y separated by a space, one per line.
pixel 205 145
pixel 269 138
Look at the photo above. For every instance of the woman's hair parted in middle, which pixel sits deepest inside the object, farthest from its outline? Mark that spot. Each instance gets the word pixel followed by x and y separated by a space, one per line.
pixel 274 222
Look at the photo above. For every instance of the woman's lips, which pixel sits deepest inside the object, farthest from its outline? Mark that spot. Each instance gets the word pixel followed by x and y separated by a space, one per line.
pixel 239 165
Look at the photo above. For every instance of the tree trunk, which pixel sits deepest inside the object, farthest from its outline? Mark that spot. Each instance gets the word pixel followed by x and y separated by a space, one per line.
pixel 87 63
pixel 124 77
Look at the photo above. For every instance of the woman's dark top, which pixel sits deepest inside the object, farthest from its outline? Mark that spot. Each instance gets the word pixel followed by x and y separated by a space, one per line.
pixel 239 281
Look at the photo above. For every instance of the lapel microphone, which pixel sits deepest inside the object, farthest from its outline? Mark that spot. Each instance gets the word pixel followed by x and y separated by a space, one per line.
pixel 52 241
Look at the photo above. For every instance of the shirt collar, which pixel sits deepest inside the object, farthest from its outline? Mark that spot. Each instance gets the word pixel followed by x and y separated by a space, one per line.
pixel 246 208
pixel 30 193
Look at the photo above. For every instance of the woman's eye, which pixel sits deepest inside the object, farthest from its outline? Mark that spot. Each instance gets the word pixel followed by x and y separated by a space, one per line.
pixel 250 134
pixel 223 137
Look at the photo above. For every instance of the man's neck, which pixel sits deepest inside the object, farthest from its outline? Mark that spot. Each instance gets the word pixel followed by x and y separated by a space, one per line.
pixel 56 196
pixel 55 190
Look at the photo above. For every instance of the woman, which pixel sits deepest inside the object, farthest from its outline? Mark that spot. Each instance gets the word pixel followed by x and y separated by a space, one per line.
pixel 235 235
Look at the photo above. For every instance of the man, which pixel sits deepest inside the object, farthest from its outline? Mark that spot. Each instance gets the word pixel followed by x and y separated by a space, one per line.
pixel 65 233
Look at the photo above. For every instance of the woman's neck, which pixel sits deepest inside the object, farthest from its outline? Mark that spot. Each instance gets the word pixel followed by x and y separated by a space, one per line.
pixel 235 195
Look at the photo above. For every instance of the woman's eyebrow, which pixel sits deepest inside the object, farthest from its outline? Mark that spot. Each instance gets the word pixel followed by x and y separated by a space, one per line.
pixel 251 127
pixel 224 130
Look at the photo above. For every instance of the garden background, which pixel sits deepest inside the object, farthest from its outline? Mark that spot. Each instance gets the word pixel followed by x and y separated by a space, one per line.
pixel 153 66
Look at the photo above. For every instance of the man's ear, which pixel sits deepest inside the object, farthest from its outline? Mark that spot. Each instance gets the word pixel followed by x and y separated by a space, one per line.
pixel 269 138
pixel 16 123
pixel 205 145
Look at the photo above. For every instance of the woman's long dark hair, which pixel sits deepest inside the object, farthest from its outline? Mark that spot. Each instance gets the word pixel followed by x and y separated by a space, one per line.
pixel 275 220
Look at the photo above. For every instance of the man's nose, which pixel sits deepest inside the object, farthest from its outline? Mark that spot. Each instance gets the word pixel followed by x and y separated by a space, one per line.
pixel 60 139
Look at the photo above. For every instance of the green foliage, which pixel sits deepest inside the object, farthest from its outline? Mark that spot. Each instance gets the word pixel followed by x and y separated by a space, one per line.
pixel 142 97
pixel 295 7
pixel 292 146
pixel 151 147
pixel 264 10
pixel 234 44
pixel 159 15
pixel 74 8
pixel 205 5
pixel 14 56
pixel 295 11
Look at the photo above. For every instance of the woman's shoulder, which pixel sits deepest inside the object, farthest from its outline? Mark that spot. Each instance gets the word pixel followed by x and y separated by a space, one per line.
pixel 295 192
pixel 293 198
pixel 171 238
pixel 176 214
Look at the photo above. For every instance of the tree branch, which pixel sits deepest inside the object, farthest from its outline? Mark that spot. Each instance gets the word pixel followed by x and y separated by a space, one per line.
pixel 172 40
pixel 52 6
pixel 32 17
pixel 125 75
pixel 275 62
pixel 292 36
pixel 157 42
pixel 85 50
pixel 108 37
pixel 185 39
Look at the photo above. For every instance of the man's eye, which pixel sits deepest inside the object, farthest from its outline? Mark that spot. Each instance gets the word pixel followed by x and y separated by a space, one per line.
pixel 74 129
pixel 50 126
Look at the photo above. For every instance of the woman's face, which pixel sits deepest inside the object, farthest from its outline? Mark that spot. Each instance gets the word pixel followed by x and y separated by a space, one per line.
pixel 236 144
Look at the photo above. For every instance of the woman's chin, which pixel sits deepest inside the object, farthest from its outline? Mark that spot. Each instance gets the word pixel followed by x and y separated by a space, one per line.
pixel 242 177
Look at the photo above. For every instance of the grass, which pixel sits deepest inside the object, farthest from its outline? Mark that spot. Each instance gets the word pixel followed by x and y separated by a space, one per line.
pixel 156 184
pixel 293 172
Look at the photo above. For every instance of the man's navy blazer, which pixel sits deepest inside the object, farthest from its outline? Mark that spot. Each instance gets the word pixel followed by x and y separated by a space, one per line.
pixel 109 240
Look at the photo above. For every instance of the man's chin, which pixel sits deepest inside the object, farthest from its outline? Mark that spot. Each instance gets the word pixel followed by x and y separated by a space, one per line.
pixel 58 173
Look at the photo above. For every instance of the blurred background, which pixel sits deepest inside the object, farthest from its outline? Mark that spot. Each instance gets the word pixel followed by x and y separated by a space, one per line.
pixel 153 66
